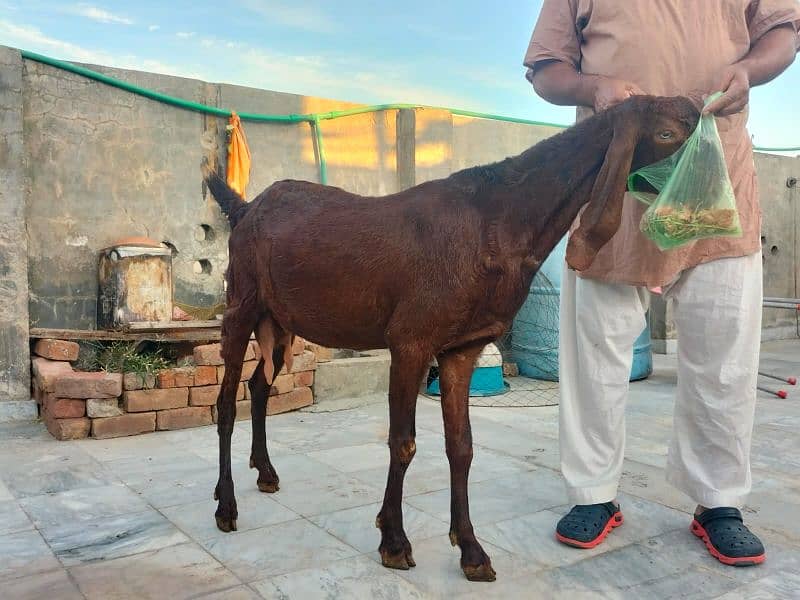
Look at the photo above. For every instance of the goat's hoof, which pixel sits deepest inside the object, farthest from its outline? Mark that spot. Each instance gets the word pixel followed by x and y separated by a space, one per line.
pixel 482 572
pixel 453 538
pixel 226 525
pixel 402 560
pixel 269 487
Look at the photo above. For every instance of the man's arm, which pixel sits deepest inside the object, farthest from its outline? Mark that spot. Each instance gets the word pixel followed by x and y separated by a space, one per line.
pixel 560 83
pixel 770 56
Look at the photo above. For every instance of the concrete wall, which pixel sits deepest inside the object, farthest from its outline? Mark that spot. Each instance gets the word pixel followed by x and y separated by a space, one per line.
pixel 84 164
pixel 14 355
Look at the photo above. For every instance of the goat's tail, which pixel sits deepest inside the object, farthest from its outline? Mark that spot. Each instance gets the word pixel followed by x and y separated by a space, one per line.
pixel 230 202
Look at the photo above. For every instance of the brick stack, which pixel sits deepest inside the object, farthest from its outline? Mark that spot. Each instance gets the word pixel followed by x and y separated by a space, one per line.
pixel 75 404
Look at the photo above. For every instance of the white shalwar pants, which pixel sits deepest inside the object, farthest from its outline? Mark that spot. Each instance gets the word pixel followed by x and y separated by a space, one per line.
pixel 717 309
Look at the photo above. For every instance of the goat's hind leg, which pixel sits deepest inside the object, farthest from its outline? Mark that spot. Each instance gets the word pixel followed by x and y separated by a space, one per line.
pixel 406 374
pixel 268 480
pixel 236 336
pixel 455 369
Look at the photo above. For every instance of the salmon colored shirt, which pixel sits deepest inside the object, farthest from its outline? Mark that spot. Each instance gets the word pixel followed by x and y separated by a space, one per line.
pixel 669 48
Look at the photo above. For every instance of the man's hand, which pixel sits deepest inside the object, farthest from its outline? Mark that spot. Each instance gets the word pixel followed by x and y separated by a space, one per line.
pixel 735 85
pixel 609 91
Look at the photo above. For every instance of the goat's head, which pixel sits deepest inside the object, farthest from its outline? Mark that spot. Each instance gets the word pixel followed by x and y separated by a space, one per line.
pixel 645 129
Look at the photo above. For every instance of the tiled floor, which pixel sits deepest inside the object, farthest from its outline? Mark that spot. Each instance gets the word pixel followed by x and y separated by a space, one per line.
pixel 133 517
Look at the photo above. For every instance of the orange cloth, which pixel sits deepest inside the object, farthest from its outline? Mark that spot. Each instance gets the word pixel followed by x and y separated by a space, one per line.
pixel 238 171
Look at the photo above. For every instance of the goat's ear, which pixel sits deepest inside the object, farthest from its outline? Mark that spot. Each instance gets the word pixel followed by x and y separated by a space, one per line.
pixel 600 220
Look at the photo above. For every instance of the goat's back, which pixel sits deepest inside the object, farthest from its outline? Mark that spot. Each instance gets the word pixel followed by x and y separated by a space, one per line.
pixel 338 265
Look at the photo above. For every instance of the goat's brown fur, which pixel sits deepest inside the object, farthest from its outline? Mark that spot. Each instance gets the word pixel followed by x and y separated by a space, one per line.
pixel 438 270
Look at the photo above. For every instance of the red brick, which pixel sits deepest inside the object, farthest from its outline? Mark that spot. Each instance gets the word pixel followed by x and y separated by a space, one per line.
pixel 129 424
pixel 208 354
pixel 248 368
pixel 56 350
pixel 204 396
pixel 147 400
pixel 181 418
pixel 322 353
pixel 256 349
pixel 297 398
pixel 68 429
pixel 138 381
pixel 64 408
pixel 304 379
pixel 88 385
pixel 283 384
pixel 307 361
pixel 242 411
pixel 46 372
pixel 250 353
pixel 205 375
pixel 178 377
pixel 299 345
pixel 103 407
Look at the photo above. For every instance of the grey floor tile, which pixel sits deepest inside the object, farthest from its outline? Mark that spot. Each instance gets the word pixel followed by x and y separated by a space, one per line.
pixel 82 504
pixel 53 584
pixel 25 553
pixel 278 549
pixel 52 476
pixel 175 572
pixel 438 572
pixel 773 587
pixel 356 526
pixel 240 592
pixel 77 542
pixel 191 483
pixel 12 518
pixel 499 499
pixel 256 509
pixel 357 577
pixel 5 493
pixel 533 536
pixel 332 492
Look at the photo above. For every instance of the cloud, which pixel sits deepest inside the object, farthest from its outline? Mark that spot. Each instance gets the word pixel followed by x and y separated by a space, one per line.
pixel 32 38
pixel 185 34
pixel 100 15
pixel 153 27
pixel 301 16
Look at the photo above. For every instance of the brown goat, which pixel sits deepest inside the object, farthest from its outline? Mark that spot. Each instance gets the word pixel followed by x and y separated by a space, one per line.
pixel 438 270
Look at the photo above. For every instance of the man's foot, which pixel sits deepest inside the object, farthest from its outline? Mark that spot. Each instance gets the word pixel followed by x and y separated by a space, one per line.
pixel 727 537
pixel 586 525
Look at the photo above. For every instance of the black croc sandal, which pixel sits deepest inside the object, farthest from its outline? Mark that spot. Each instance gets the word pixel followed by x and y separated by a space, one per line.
pixel 586 525
pixel 727 537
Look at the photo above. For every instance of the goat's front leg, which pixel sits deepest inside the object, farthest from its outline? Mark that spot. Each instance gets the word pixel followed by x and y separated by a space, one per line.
pixel 404 380
pixel 455 372
pixel 233 351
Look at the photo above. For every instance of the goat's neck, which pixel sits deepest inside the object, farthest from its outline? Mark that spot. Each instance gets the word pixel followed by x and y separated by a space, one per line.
pixel 558 177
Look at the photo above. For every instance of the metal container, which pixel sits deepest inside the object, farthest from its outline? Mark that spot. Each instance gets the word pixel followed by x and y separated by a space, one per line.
pixel 135 284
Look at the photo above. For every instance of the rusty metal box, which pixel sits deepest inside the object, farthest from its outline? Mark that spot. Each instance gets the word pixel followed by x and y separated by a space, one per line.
pixel 135 284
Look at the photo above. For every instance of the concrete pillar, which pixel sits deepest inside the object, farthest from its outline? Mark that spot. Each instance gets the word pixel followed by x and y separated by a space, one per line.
pixel 406 143
pixel 15 396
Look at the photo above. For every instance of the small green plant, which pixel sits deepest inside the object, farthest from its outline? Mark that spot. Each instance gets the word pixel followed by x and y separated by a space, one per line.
pixel 122 357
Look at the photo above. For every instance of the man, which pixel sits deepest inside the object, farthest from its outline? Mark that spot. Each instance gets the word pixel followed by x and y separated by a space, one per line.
pixel 593 54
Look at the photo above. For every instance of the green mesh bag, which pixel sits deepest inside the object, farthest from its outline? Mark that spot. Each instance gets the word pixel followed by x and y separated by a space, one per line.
pixel 689 193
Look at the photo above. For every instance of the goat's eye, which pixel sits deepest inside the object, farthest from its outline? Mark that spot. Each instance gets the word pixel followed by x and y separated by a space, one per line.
pixel 665 135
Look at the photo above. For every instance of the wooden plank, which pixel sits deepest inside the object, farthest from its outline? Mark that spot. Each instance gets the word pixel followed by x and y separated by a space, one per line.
pixel 170 325
pixel 196 335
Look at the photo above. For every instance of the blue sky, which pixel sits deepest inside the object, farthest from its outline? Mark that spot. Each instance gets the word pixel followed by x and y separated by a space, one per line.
pixel 456 53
